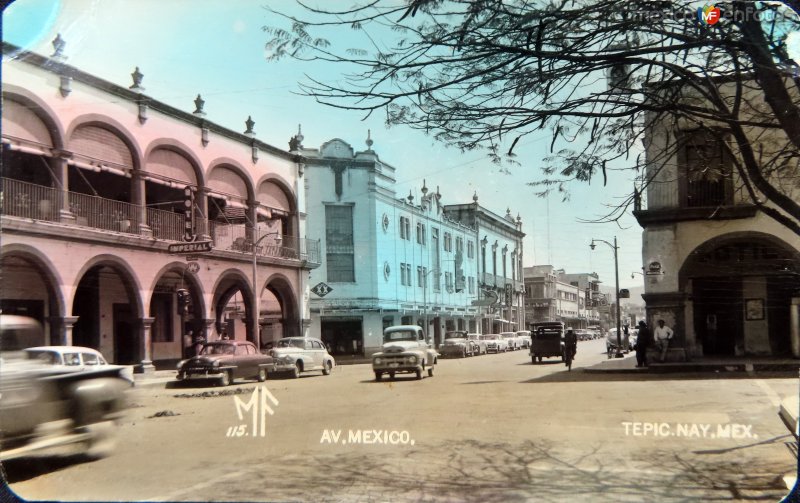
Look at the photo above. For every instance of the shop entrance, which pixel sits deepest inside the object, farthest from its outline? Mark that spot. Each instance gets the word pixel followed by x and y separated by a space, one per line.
pixel 343 337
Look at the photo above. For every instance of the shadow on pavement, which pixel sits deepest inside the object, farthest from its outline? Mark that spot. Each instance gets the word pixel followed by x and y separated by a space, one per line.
pixel 21 469
pixel 486 472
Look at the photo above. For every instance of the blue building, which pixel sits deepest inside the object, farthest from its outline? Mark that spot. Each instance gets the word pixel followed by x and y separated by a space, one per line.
pixel 389 260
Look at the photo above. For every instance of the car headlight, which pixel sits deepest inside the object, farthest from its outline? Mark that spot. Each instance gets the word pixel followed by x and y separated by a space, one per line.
pixel 287 359
pixel 412 359
pixel 377 361
pixel 216 363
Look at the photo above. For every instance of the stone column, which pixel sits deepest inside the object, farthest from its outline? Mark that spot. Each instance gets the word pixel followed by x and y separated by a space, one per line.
pixel 60 166
pixel 139 198
pixel 61 330
pixel 201 202
pixel 794 326
pixel 145 348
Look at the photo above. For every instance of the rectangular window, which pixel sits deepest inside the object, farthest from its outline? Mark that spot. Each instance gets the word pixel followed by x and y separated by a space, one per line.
pixel 460 245
pixel 448 242
pixel 339 244
pixel 471 285
pixel 448 281
pixel 706 170
pixel 470 249
pixel 421 234
pixel 422 273
pixel 405 228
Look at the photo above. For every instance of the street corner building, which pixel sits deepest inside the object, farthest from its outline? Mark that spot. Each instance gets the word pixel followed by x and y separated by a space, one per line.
pixel 104 193
pixel 718 270
pixel 389 259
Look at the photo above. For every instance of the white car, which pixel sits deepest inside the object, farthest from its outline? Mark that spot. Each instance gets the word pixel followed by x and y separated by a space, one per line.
pixel 513 342
pixel 77 359
pixel 301 354
pixel 495 343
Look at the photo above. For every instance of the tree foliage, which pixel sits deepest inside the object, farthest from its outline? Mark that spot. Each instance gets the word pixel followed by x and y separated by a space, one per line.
pixel 597 75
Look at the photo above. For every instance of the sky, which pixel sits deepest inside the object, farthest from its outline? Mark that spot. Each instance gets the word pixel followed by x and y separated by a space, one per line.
pixel 216 48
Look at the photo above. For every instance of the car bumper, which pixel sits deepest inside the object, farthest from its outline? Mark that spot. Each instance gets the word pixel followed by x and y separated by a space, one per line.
pixel 453 350
pixel 281 367
pixel 199 375
pixel 396 367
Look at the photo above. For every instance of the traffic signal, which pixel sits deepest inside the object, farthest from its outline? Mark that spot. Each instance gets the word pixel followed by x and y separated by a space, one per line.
pixel 184 299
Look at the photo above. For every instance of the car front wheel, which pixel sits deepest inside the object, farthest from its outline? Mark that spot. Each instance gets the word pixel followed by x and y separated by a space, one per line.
pixel 225 378
pixel 378 375
pixel 262 375
pixel 326 369
pixel 298 367
pixel 430 371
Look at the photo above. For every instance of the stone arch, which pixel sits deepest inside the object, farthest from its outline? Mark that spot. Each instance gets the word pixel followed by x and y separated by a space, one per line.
pixel 197 292
pixel 228 283
pixel 114 127
pixel 17 301
pixel 181 149
pixel 126 272
pixel 237 168
pixel 42 110
pixel 739 288
pixel 281 287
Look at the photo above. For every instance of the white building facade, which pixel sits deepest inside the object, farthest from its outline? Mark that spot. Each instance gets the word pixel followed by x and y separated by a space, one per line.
pixel 386 260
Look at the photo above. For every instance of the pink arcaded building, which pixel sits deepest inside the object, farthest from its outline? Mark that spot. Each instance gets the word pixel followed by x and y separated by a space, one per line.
pixel 99 180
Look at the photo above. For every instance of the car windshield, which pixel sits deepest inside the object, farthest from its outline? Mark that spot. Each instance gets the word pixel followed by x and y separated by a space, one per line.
pixel 488 337
pixel 454 335
pixel 400 335
pixel 218 349
pixel 291 343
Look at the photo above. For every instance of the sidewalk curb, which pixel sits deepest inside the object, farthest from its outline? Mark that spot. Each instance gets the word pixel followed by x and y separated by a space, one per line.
pixel 700 368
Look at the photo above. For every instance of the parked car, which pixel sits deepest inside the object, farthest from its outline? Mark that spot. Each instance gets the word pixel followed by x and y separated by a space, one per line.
pixel 511 338
pixel 75 359
pixel 524 336
pixel 583 334
pixel 301 354
pixel 476 338
pixel 495 343
pixel 404 350
pixel 456 343
pixel 46 407
pixel 225 361
pixel 611 341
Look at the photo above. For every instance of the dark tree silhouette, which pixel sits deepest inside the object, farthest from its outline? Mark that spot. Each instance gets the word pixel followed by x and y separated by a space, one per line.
pixel 601 76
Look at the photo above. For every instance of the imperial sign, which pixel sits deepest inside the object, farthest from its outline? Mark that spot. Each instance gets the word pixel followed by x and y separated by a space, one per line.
pixel 197 246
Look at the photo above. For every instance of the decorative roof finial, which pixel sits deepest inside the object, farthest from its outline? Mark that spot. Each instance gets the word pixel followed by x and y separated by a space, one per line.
pixel 369 140
pixel 410 197
pixel 137 77
pixel 198 106
pixel 475 196
pixel 296 141
pixel 424 188
pixel 299 136
pixel 249 123
pixel 59 44
pixel 519 218
pixel 438 194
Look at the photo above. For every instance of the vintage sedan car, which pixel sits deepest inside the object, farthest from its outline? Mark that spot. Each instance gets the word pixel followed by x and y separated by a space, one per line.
pixel 296 355
pixel 495 343
pixel 513 343
pixel 76 359
pixel 456 343
pixel 476 338
pixel 404 350
pixel 45 408
pixel 612 344
pixel 225 361
pixel 524 336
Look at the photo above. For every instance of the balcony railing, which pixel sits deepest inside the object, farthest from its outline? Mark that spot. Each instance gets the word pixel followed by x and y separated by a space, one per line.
pixel 37 202
pixel 28 200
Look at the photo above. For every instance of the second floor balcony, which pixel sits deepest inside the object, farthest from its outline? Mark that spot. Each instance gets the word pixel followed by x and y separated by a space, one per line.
pixel 34 202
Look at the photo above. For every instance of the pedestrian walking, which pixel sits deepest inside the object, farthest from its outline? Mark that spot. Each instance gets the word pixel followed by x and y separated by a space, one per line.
pixel 643 341
pixel 188 342
pixel 663 334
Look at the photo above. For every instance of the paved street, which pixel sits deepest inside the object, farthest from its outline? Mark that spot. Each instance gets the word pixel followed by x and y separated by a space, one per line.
pixel 484 429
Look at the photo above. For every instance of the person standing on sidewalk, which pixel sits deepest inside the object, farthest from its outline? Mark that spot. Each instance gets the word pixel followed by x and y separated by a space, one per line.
pixel 663 334
pixel 643 341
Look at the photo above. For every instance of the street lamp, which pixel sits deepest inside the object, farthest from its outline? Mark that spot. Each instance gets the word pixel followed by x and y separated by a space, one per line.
pixel 256 290
pixel 616 274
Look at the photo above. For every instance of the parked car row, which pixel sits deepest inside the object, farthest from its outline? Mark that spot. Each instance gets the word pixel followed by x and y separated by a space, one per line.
pixel 459 343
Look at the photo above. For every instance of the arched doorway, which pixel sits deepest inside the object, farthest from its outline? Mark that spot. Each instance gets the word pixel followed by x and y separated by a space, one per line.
pixel 741 289
pixel 28 290
pixel 177 309
pixel 278 314
pixel 232 307
pixel 108 309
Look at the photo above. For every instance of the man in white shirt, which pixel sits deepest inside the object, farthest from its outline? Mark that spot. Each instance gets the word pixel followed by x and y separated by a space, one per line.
pixel 662 336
